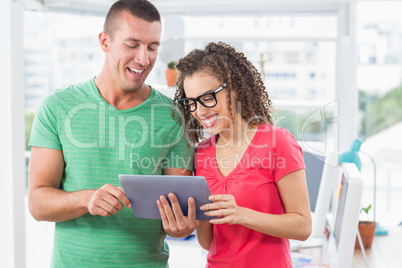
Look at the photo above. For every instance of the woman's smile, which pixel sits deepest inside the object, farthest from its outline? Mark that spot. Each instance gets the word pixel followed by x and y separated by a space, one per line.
pixel 209 121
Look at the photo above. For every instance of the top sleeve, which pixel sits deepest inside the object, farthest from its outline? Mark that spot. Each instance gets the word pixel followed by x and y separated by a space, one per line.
pixel 195 161
pixel 181 153
pixel 44 131
pixel 288 154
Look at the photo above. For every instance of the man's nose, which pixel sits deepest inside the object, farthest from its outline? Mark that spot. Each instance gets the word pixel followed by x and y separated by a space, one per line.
pixel 142 56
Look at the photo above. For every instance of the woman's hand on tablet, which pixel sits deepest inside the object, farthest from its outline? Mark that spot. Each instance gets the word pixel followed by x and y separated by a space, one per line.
pixel 225 208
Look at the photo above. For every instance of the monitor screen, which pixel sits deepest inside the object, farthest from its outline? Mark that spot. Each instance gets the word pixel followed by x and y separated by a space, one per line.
pixel 338 249
pixel 314 167
pixel 329 179
pixel 340 209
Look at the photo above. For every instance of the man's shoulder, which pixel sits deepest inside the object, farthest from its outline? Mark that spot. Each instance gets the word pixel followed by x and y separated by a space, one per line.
pixel 84 87
pixel 163 104
pixel 159 97
pixel 74 93
pixel 63 98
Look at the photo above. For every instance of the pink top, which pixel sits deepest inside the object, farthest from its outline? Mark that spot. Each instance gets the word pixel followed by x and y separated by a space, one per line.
pixel 272 154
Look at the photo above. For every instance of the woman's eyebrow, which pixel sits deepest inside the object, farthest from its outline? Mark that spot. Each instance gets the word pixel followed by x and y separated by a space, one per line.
pixel 206 92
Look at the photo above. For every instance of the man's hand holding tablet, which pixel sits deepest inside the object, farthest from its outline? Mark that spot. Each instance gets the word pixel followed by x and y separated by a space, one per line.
pixel 173 220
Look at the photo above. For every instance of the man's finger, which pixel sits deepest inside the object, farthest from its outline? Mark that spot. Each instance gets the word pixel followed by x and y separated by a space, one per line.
pixel 117 192
pixel 192 219
pixel 178 213
pixel 103 208
pixel 165 222
pixel 167 209
pixel 99 211
pixel 109 208
pixel 112 200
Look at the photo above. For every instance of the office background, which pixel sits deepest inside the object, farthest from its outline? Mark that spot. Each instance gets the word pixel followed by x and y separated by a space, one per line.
pixel 332 68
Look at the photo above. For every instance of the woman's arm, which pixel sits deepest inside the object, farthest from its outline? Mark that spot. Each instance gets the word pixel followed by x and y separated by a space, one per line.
pixel 294 224
pixel 204 234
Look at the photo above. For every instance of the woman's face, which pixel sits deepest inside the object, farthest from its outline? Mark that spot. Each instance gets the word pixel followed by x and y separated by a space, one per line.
pixel 216 119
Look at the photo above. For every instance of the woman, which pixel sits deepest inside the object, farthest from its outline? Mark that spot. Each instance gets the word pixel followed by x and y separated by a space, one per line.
pixel 255 170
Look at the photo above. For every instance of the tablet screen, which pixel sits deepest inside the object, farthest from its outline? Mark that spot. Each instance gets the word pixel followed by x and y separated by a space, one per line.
pixel 144 190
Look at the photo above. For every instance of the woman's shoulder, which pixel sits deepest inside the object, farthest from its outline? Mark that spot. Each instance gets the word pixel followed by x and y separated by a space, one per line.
pixel 275 137
pixel 273 131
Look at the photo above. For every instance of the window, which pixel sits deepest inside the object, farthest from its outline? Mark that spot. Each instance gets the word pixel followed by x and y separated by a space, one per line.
pixel 294 54
pixel 380 93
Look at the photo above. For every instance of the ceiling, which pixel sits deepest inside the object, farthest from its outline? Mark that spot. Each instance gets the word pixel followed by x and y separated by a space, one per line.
pixel 197 7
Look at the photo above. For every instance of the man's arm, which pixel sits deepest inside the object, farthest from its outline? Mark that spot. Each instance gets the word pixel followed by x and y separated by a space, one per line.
pixel 177 172
pixel 48 203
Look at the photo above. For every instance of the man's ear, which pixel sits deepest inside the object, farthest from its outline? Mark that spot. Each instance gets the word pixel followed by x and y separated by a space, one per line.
pixel 104 41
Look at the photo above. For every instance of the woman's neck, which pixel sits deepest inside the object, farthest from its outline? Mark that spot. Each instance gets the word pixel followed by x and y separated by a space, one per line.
pixel 239 135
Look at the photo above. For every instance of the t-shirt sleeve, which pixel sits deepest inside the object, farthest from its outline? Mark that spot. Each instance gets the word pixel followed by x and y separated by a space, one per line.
pixel 181 153
pixel 288 154
pixel 44 131
pixel 195 161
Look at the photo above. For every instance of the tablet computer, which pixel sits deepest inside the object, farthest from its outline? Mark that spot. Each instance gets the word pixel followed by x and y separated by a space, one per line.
pixel 144 190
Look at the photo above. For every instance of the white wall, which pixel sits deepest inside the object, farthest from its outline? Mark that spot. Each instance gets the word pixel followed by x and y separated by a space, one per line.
pixel 12 166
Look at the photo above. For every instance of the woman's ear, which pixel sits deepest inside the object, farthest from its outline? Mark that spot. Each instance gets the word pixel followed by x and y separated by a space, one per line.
pixel 104 41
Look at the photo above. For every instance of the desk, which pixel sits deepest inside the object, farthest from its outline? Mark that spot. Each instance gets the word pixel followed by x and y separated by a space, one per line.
pixel 385 252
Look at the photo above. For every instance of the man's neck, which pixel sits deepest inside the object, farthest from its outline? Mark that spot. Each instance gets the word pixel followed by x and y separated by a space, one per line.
pixel 118 97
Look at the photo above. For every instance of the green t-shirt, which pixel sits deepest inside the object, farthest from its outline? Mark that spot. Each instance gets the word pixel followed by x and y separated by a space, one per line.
pixel 99 142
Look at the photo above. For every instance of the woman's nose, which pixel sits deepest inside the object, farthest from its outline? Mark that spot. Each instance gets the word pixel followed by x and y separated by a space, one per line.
pixel 201 110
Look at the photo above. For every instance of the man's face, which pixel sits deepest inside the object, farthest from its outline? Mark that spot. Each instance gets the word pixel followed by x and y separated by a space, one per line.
pixel 132 52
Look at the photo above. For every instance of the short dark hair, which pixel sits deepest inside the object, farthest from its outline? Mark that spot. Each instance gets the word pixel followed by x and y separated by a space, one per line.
pixel 142 9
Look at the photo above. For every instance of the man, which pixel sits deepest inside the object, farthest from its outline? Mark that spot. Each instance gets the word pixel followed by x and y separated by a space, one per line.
pixel 84 136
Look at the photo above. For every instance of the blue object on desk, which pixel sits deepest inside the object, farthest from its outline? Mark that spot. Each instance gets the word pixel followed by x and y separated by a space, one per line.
pixel 379 230
pixel 352 156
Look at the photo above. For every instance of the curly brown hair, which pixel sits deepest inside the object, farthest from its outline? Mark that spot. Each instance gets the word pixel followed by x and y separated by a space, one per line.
pixel 233 68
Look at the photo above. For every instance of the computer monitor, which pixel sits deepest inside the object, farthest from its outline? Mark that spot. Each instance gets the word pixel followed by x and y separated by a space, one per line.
pixel 329 179
pixel 339 247
pixel 314 168
pixel 321 176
